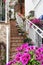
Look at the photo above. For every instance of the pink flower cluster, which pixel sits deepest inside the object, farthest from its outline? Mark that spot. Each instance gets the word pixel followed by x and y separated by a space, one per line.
pixel 36 21
pixel 39 55
pixel 23 58
pixel 23 55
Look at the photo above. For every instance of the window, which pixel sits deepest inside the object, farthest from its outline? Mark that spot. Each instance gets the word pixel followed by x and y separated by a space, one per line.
pixel 2 10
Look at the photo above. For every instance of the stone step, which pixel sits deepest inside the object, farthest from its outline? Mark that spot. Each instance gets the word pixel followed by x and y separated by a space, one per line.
pixel 12 51
pixel 13 29
pixel 15 44
pixel 14 32
pixel 17 41
pixel 12 54
pixel 17 37
pixel 14 35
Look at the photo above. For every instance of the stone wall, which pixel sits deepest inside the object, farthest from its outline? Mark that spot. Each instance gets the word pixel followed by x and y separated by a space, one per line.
pixel 3 33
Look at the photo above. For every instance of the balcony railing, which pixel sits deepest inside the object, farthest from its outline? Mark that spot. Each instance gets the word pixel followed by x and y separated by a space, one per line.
pixel 34 32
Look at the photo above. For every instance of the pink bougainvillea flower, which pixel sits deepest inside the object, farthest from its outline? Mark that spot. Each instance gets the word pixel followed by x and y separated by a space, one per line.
pixel 22 47
pixel 10 62
pixel 25 45
pixel 26 50
pixel 41 57
pixel 38 57
pixel 19 49
pixel 36 21
pixel 41 62
pixel 31 48
pixel 40 50
pixel 17 57
pixel 39 54
pixel 23 54
pixel 25 58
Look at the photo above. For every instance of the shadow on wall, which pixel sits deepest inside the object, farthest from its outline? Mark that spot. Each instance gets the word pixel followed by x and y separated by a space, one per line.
pixel 2 53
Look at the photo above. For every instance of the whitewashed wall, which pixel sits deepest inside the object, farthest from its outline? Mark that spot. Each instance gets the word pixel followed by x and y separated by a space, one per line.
pixel 39 9
pixel 28 6
pixel 2 33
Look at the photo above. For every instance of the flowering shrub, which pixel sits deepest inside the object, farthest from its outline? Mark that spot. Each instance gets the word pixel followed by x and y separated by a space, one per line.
pixel 36 21
pixel 28 55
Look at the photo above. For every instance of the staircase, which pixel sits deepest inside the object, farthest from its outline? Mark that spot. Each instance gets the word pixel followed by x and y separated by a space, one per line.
pixel 15 39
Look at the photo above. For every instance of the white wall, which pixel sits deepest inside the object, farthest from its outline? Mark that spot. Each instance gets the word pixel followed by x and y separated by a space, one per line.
pixel 6 9
pixel 39 9
pixel 28 6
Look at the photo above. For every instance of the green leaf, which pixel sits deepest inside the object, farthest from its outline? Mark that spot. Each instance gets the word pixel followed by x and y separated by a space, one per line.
pixel 18 63
pixel 29 64
pixel 31 52
pixel 35 62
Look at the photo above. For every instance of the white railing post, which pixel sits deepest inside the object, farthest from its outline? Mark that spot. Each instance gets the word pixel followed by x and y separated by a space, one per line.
pixel 7 43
